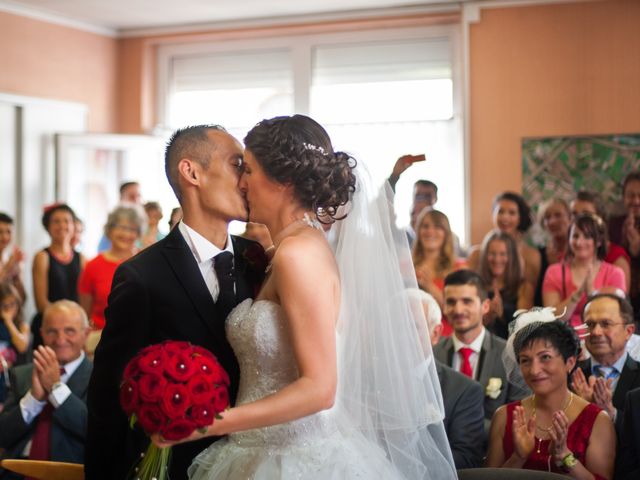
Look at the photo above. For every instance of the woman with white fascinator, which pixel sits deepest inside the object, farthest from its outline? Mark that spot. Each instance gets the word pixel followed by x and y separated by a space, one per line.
pixel 553 429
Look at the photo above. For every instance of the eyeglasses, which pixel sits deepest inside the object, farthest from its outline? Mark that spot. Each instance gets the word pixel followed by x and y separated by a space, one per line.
pixel 604 325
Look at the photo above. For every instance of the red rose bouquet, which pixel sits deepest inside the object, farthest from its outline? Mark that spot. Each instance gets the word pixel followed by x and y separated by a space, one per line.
pixel 172 388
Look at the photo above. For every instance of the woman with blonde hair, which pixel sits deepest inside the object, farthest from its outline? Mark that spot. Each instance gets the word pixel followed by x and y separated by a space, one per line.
pixel 501 272
pixel 433 255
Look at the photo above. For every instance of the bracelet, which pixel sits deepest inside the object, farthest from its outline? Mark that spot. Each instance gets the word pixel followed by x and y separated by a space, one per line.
pixel 567 463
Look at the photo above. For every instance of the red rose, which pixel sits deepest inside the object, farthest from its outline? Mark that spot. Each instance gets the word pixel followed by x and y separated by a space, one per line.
pixel 152 361
pixel 200 390
pixel 202 415
pixel 179 367
pixel 173 347
pixel 129 396
pixel 220 399
pixel 211 369
pixel 151 418
pixel 178 429
pixel 132 369
pixel 151 387
pixel 175 401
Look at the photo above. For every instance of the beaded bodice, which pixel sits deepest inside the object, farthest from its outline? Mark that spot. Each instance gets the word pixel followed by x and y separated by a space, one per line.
pixel 258 334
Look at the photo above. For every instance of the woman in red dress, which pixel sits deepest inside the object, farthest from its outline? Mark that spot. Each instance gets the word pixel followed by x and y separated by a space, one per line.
pixel 553 429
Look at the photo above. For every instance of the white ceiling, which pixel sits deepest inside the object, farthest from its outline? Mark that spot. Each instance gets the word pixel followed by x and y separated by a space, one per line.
pixel 120 16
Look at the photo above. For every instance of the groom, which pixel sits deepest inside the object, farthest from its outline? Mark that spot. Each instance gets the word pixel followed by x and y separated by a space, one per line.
pixel 176 289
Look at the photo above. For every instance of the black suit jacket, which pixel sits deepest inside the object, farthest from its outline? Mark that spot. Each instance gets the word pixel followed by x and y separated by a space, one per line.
pixel 490 366
pixel 69 421
pixel 157 295
pixel 628 457
pixel 463 416
pixel 629 379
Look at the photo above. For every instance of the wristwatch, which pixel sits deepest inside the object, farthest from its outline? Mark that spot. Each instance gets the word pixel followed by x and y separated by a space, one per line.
pixel 568 462
pixel 56 385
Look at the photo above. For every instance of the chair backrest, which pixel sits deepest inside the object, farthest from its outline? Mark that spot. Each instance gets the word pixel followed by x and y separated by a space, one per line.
pixel 45 470
pixel 507 474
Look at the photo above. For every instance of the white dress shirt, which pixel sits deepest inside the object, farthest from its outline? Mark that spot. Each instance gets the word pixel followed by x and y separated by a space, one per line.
pixel 476 346
pixel 204 251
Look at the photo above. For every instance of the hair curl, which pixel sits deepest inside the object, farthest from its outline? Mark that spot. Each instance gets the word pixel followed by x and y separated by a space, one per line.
pixel 297 151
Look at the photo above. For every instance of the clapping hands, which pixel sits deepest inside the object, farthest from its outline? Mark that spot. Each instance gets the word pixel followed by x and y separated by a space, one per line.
pixel 46 367
pixel 558 433
pixel 581 386
pixel 524 431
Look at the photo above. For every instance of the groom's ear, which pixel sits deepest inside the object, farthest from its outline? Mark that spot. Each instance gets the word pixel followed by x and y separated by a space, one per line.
pixel 188 171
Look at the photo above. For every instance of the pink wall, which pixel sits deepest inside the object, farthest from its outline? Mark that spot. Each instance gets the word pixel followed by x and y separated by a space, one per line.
pixel 559 69
pixel 45 60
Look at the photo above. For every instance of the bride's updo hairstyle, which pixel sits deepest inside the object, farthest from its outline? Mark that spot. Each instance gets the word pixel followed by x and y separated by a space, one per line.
pixel 297 151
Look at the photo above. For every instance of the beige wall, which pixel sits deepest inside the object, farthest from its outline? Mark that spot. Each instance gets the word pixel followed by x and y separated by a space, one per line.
pixel 556 69
pixel 560 69
pixel 44 60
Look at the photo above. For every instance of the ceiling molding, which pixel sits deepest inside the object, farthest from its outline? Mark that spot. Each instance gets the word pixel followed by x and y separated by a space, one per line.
pixel 37 14
pixel 291 19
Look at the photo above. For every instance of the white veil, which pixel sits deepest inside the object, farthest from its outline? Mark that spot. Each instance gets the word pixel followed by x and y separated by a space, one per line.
pixel 387 386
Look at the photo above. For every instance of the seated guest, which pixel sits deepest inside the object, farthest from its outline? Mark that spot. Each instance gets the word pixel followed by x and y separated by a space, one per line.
pixel 553 429
pixel 555 219
pixel 14 334
pixel 512 215
pixel 628 458
pixel 591 202
pixel 45 416
pixel 123 229
pixel 568 284
pixel 472 350
pixel 11 256
pixel 433 255
pixel 625 231
pixel 501 272
pixel 462 397
pixel 610 373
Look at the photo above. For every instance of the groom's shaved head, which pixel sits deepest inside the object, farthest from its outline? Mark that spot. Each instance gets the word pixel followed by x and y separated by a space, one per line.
pixel 193 143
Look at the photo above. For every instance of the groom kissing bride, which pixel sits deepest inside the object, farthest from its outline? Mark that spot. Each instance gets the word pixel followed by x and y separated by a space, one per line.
pixel 331 378
pixel 177 289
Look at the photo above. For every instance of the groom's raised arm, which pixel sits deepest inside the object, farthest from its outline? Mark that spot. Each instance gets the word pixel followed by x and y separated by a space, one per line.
pixel 111 446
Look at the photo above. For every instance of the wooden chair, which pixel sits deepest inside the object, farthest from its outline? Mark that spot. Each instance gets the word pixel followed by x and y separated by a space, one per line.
pixel 45 470
pixel 506 474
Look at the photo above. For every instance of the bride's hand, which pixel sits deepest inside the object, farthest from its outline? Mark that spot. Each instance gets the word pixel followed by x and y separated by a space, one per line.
pixel 212 430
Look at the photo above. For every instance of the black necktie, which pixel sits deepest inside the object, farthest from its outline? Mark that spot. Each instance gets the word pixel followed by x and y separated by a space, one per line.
pixel 223 265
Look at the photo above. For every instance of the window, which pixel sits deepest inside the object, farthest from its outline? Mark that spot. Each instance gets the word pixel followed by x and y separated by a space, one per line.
pixel 380 94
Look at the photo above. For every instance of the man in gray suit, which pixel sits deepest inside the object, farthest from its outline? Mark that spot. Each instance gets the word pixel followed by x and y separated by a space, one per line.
pixel 462 397
pixel 472 350
pixel 45 416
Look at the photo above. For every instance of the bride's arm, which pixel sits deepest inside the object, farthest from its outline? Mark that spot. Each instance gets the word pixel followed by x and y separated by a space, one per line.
pixel 308 287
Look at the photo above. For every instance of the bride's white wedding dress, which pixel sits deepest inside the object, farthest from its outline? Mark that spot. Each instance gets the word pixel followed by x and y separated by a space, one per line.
pixel 319 446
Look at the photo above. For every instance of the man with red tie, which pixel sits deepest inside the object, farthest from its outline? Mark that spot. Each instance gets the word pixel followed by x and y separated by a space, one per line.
pixel 45 416
pixel 473 350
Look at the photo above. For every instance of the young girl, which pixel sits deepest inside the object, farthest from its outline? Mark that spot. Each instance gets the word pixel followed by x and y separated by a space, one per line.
pixel 14 332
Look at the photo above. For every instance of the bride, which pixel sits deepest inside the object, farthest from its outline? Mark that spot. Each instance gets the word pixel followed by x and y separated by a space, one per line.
pixel 335 382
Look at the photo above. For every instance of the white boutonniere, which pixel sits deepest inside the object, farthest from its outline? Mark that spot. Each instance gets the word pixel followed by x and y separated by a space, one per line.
pixel 493 388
